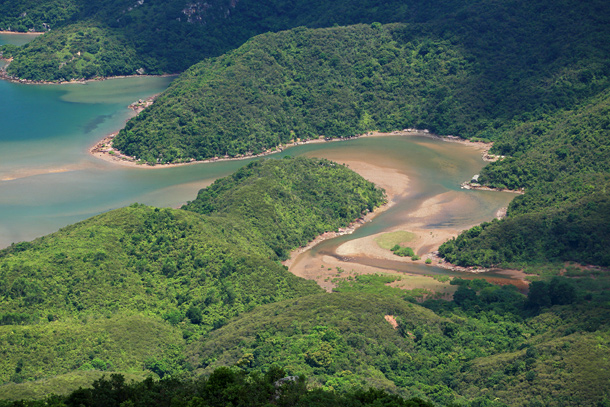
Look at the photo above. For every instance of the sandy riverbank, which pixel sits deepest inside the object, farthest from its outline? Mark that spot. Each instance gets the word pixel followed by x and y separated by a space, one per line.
pixel 393 182
pixel 6 77
pixel 104 150
pixel 20 33
pixel 425 241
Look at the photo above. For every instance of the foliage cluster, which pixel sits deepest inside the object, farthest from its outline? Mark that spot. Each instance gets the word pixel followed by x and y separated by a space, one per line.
pixel 224 387
pixel 171 35
pixel 477 345
pixel 477 73
pixel 336 82
pixel 562 162
pixel 80 51
pixel 575 232
pixel 289 202
pixel 192 271
pixel 402 251
pixel 33 15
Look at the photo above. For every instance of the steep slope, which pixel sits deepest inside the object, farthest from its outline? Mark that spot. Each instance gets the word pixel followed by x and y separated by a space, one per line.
pixel 473 351
pixel 33 15
pixel 169 274
pixel 289 202
pixel 165 266
pixel 169 36
pixel 336 82
pixel 478 72
pixel 562 161
pixel 537 87
pixel 338 340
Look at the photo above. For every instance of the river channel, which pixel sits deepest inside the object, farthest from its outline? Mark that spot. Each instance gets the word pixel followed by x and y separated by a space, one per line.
pixel 48 180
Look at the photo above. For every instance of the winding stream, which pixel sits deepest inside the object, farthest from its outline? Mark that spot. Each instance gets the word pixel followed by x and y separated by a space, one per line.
pixel 48 180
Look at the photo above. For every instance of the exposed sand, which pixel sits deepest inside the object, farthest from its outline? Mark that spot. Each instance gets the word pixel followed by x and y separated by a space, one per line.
pixel 19 33
pixel 104 150
pixel 30 172
pixel 323 268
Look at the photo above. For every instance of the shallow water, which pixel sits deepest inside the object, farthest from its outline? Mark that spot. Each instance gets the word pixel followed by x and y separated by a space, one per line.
pixel 48 180
pixel 17 39
pixel 435 168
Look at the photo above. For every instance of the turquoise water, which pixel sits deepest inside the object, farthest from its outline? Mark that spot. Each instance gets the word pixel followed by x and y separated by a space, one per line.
pixel 48 180
pixel 16 39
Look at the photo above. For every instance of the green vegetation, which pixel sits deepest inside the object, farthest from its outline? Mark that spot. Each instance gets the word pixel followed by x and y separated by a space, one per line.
pixel 322 337
pixel 171 35
pixel 389 240
pixel 471 351
pixel 289 202
pixel 402 251
pixel 182 295
pixel 562 162
pixel 121 274
pixel 150 279
pixel 336 82
pixel 34 15
pixel 79 51
pixel 224 387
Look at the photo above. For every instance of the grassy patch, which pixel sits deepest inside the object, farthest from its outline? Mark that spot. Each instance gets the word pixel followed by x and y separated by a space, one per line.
pixel 62 384
pixel 389 240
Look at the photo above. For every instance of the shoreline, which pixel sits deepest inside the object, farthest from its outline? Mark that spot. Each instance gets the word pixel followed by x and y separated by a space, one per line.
pixel 6 77
pixel 23 33
pixel 103 149
pixel 348 230
pixel 479 187
pixel 364 256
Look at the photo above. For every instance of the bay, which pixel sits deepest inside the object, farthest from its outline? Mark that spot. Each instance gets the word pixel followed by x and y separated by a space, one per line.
pixel 49 180
pixel 17 38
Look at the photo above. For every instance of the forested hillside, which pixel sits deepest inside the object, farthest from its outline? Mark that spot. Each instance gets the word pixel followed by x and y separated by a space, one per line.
pixel 477 73
pixel 536 87
pixel 490 346
pixel 563 162
pixel 168 36
pixel 471 350
pixel 224 387
pixel 336 82
pixel 287 203
pixel 130 286
pixel 32 15
pixel 180 294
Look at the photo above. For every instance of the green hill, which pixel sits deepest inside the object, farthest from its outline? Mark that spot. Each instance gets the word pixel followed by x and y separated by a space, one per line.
pixel 473 351
pixel 179 294
pixel 513 82
pixel 171 268
pixel 126 289
pixel 562 162
pixel 287 203
pixel 477 72
pixel 336 82
pixel 167 36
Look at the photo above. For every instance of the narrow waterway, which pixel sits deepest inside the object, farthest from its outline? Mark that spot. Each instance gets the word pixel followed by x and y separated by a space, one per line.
pixel 48 180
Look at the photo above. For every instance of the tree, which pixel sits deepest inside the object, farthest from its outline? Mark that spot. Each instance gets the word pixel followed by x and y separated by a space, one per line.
pixel 538 295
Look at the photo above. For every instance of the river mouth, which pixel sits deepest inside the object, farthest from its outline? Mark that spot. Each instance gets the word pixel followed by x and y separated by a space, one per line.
pixel 48 180
pixel 422 178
